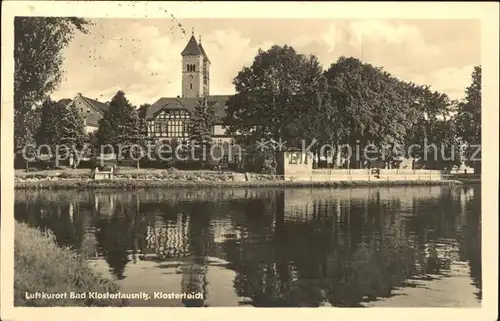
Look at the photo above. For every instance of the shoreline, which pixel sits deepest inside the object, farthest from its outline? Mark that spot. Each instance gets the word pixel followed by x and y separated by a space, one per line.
pixel 45 272
pixel 148 183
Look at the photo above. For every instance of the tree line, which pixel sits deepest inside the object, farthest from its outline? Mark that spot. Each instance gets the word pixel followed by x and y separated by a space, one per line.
pixel 282 95
pixel 287 95
pixel 122 129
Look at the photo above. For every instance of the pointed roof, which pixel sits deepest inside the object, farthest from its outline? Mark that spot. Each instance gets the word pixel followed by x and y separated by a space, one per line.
pixel 102 107
pixel 203 52
pixel 192 48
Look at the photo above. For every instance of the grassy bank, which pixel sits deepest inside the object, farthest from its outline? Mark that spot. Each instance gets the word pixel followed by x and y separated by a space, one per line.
pixel 138 183
pixel 40 265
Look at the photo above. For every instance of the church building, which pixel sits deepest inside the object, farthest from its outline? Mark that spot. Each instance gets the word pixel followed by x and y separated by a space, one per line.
pixel 168 117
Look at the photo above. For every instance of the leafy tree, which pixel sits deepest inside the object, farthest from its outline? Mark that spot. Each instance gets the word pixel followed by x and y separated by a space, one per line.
pixel 61 126
pixel 273 97
pixel 93 142
pixel 369 106
pixel 24 137
pixel 122 129
pixel 432 129
pixel 468 119
pixel 49 131
pixel 73 134
pixel 38 45
pixel 271 94
pixel 200 128
pixel 143 110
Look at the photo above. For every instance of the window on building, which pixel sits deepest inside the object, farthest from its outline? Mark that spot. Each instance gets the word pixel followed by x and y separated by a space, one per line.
pixel 293 159
pixel 219 141
pixel 157 127
pixel 190 86
pixel 176 128
pixel 163 128
pixel 224 158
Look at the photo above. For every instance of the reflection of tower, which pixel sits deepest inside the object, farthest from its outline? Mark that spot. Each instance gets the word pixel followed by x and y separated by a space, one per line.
pixel 200 233
pixel 194 281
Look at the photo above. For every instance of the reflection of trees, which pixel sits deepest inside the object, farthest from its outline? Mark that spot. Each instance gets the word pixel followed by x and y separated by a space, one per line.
pixel 122 233
pixel 65 220
pixel 114 239
pixel 346 250
pixel 470 240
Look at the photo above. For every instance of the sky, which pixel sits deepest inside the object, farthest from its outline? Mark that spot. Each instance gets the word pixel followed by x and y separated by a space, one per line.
pixel 142 56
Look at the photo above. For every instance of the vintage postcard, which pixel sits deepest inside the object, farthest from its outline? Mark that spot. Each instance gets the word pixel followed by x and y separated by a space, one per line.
pixel 246 156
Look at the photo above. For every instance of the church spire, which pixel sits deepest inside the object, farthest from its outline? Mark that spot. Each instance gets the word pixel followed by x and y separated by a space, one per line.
pixel 192 48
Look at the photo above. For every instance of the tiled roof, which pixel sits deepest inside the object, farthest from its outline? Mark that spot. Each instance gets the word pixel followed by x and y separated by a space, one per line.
pixel 217 102
pixel 102 107
pixel 192 48
pixel 92 118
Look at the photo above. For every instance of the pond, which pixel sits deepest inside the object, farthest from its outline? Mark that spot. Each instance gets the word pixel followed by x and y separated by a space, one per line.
pixel 397 246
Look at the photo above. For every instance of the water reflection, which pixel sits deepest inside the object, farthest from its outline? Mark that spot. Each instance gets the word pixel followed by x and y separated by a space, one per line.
pixel 267 247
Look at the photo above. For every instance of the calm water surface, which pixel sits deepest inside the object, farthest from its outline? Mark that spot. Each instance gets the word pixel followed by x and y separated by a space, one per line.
pixel 269 247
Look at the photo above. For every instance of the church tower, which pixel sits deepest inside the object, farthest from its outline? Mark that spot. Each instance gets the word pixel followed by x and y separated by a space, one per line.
pixel 195 70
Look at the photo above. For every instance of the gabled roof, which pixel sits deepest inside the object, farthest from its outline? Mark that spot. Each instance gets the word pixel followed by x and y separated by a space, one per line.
pixel 101 107
pixel 92 118
pixel 218 103
pixel 192 48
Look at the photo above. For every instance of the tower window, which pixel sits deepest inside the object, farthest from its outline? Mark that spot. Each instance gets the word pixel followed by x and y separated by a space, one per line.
pixel 191 68
pixel 190 86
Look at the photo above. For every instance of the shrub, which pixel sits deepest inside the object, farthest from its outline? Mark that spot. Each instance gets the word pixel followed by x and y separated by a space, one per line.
pixel 40 265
